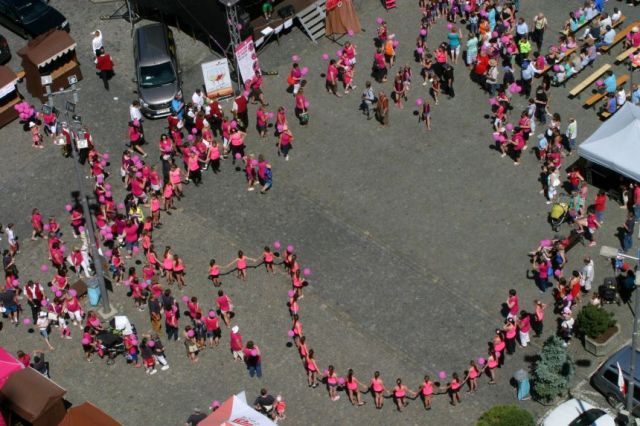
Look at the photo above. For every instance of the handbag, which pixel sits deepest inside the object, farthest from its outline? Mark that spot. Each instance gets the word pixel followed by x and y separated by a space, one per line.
pixel 52 316
pixel 304 118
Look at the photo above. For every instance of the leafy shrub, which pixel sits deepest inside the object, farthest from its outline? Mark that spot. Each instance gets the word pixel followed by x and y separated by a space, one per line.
pixel 594 320
pixel 506 415
pixel 553 371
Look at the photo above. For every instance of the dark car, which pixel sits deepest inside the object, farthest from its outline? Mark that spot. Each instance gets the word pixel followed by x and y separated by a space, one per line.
pixel 157 69
pixel 5 52
pixel 30 18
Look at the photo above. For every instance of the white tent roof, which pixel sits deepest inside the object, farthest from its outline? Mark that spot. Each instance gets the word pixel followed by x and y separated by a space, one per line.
pixel 616 143
pixel 236 412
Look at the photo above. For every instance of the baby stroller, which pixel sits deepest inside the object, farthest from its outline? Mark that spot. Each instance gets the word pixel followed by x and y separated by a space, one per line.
pixel 559 214
pixel 608 291
pixel 110 345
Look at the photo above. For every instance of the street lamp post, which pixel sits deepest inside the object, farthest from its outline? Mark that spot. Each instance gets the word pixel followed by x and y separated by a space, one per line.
pixel 107 310
pixel 612 252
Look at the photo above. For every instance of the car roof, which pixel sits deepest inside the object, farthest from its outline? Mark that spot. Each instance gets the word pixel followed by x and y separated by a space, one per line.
pixel 154 39
pixel 18 3
pixel 569 410
pixel 623 357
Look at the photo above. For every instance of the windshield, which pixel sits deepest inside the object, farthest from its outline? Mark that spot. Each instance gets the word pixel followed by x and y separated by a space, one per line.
pixel 588 417
pixel 157 75
pixel 32 10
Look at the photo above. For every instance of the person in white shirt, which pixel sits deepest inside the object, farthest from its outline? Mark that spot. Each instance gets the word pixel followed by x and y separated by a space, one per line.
pixel 586 275
pixel 135 112
pixel 96 42
pixel 615 16
pixel 197 99
pixel 621 96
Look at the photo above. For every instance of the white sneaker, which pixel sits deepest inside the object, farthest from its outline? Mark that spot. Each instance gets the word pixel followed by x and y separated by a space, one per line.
pixel 164 368
pixel 286 158
pixel 154 371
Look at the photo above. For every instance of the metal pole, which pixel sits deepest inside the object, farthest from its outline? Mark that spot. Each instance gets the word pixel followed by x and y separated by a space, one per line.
pixel 97 262
pixel 234 37
pixel 634 337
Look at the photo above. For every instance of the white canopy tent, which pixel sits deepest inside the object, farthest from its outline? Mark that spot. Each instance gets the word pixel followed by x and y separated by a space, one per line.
pixel 236 412
pixel 616 143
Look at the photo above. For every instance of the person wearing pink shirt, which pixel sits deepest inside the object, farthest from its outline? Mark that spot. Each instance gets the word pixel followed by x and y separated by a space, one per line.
pixel 235 343
pixel 331 83
pixel 253 359
pixel 400 394
pixel 524 326
pixel 213 329
pixel 267 259
pixel 353 389
pixel 512 304
pixel 36 224
pixel 300 109
pixel 214 157
pixel 472 377
pixel 261 121
pixel 193 164
pixel 284 142
pixel 377 388
pixel 167 265
pixel 241 265
pixel 312 369
pixel 178 271
pixel 226 307
pixel 214 273
pixel 332 383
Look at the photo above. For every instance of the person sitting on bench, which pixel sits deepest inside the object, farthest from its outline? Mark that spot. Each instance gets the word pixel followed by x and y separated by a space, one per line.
pixel 607 38
pixel 611 106
pixel 632 39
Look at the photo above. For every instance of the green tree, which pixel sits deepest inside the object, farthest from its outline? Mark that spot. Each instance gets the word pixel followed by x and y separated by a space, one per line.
pixel 506 415
pixel 594 320
pixel 553 371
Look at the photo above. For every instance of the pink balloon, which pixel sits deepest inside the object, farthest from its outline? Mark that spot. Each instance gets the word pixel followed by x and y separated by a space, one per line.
pixel 350 33
pixel 100 179
pixel 306 104
pixel 68 207
pixel 339 53
pixel 185 299
pixel 306 272
pixel 304 70
pixel 58 293
pixel 44 268
pixel 135 250
pixel 423 32
pixel 81 228
pixel 215 404
pixel 325 56
pixel 121 206
pixel 63 248
pixel 103 163
pixel 26 321
pixel 449 26
pixel 325 372
pixel 295 58
pixel 290 248
pixel 105 156
pixel 239 27
pixel 85 341
pixel 270 115
pixel 280 127
pixel 108 253
pixel 108 194
pixel 138 175
pixel 341 381
pixel 290 333
pixel 395 42
pixel 420 50
pixel 276 245
pixel 290 293
pixel 442 375
pixel 101 199
pixel 379 20
pixel 144 284
pixel 73 292
pixel 234 124
pixel 481 361
pixel 44 302
pixel 194 130
pixel 419 101
pixel 190 333
pixel 151 343
pixel 246 93
pixel 509 126
pixel 190 138
pixel 238 156
pixel 46 227
pixel 254 163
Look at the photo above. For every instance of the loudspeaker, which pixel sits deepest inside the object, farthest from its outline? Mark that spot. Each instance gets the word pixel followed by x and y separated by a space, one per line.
pixel 286 11
pixel 246 29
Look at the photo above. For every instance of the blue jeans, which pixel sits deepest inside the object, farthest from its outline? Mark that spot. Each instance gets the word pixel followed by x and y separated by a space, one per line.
pixel 636 211
pixel 255 370
pixel 627 241
pixel 600 216
pixel 171 332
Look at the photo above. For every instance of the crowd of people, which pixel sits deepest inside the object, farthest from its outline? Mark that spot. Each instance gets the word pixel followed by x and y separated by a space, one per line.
pixel 203 135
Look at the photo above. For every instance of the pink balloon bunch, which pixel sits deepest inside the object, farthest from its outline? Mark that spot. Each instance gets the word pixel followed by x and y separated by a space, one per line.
pixel 515 88
pixel 509 126
pixel 25 111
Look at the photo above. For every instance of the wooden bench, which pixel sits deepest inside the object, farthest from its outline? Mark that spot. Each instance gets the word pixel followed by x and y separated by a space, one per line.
pixel 597 97
pixel 580 27
pixel 618 38
pixel 549 66
pixel 626 53
pixel 587 81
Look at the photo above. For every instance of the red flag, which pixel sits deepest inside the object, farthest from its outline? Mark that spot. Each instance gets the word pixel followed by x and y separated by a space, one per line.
pixel 621 384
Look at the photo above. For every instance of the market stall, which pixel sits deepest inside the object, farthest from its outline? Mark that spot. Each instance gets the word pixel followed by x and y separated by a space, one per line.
pixel 9 96
pixel 87 414
pixel 52 54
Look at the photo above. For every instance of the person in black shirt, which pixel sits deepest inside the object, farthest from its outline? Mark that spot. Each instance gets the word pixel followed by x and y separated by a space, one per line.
pixel 541 100
pixel 39 364
pixel 264 403
pixel 195 418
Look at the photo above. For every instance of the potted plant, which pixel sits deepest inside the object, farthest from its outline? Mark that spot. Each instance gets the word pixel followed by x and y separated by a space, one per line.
pixel 598 327
pixel 506 415
pixel 552 372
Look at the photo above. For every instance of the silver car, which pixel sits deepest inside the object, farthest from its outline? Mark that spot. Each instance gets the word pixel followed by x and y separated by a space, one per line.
pixel 157 69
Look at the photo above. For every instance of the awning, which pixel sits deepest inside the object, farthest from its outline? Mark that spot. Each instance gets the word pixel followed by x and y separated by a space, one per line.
pixel 8 365
pixel 234 412
pixel 87 414
pixel 616 143
pixel 47 47
pixel 31 394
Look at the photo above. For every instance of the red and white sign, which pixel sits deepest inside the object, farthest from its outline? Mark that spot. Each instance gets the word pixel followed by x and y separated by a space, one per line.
pixel 236 412
pixel 247 59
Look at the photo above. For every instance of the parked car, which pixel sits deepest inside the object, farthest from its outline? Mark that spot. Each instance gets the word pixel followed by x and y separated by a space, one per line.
pixel 605 379
pixel 30 18
pixel 156 68
pixel 576 412
pixel 5 52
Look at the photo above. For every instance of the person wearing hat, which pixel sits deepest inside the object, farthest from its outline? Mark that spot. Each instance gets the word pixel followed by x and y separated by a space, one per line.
pixel 632 39
pixel 36 136
pixel 235 343
pixel 196 417
pixel 43 327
